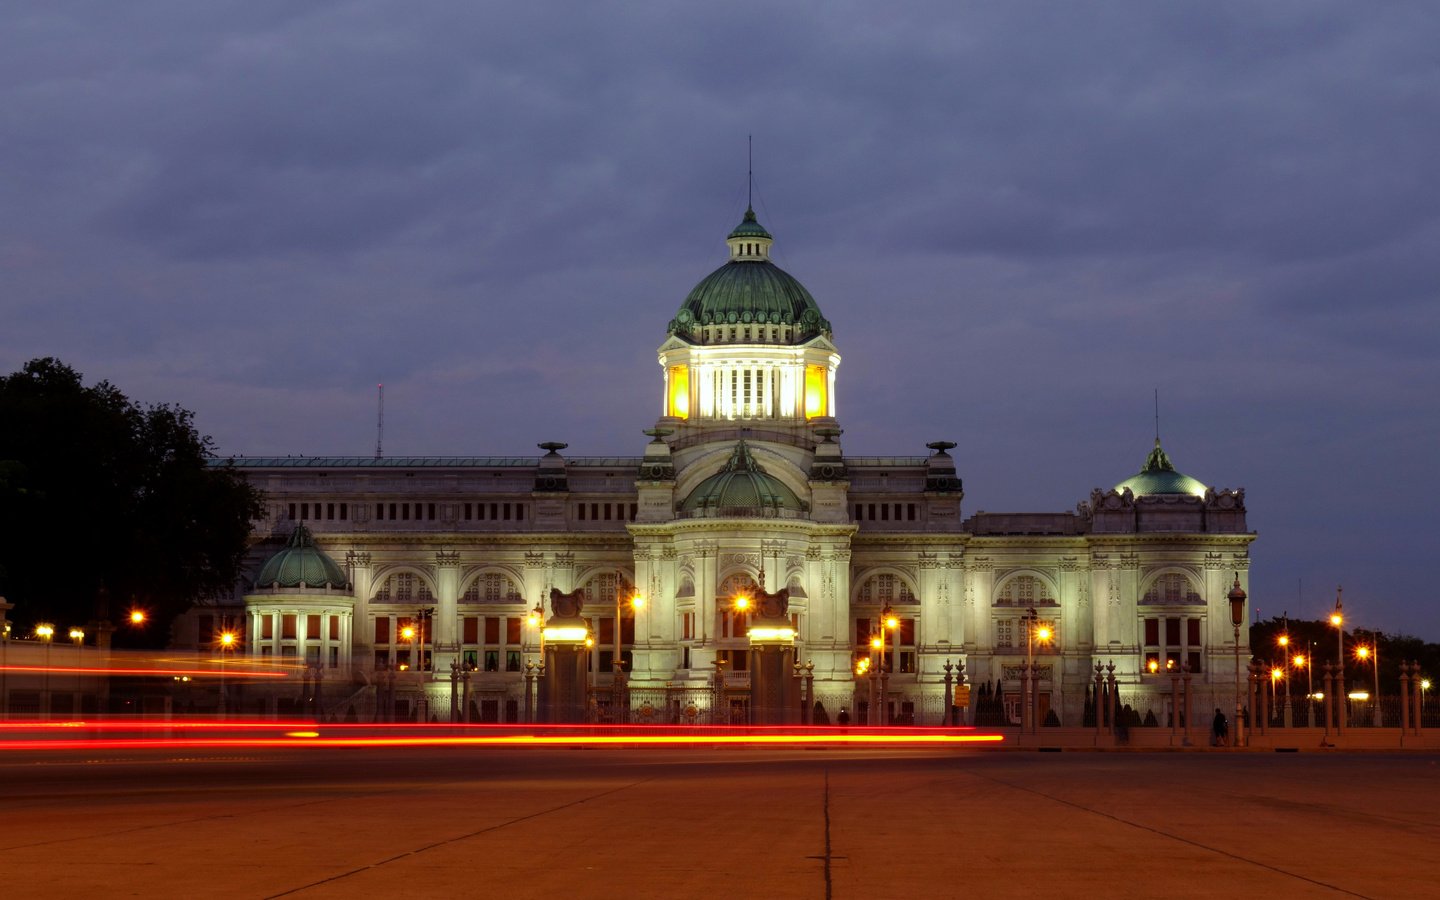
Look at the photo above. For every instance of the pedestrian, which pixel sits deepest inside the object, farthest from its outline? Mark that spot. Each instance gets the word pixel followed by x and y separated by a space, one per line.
pixel 1221 729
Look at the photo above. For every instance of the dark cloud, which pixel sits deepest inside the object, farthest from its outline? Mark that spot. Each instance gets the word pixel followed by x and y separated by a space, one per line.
pixel 1022 219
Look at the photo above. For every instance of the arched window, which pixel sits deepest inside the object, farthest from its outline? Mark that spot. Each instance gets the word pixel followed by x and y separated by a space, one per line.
pixel 687 588
pixel 404 587
pixel 493 587
pixel 1024 590
pixel 885 588
pixel 600 590
pixel 1172 588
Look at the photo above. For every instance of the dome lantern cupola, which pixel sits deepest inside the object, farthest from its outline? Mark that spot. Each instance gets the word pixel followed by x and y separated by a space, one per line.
pixel 749 242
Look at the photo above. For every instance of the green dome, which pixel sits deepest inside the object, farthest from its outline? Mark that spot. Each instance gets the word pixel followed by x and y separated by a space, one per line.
pixel 1158 476
pixel 750 289
pixel 301 564
pixel 749 227
pixel 741 488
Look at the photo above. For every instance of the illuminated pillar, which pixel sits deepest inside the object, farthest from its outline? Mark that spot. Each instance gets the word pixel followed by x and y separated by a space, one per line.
pixel 563 687
pixel 774 690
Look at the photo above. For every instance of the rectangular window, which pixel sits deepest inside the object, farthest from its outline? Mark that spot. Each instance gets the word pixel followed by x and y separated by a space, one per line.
pixel 379 511
pixel 582 511
pixel 907 661
pixel 472 629
pixel 910 512
pixel 512 629
pixel 687 627
pixel 267 627
pixel 607 631
pixel 334 657
pixel 634 511
pixel 305 512
pixel 884 512
pixel 907 632
pixel 862 632
pixel 870 513
pixel 405 512
pixel 334 628
pixel 287 627
pixel 1172 632
pixel 382 659
pixel 392 512
pixel 1192 632
pixel 492 660
pixel 858 510
pixel 492 630
pixel 594 512
pixel 685 658
pixel 506 510
pixel 1152 632
pixel 312 627
pixel 330 511
pixel 312 655
pixel 430 511
pixel 494 512
pixel 469 511
pixel 382 630
pixel 344 511
pixel 292 512
pixel 520 512
pixel 512 660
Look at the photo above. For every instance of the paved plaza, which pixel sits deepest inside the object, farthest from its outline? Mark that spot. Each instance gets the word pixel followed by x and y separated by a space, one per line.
pixel 671 823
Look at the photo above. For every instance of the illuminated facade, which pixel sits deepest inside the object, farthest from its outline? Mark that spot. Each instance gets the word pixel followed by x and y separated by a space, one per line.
pixel 744 484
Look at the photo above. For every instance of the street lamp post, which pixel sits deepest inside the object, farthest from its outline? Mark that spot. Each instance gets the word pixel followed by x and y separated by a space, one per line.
pixel 888 622
pixel 78 636
pixel 1337 618
pixel 617 684
pixel 227 640
pixel 1237 618
pixel 1375 658
pixel 45 632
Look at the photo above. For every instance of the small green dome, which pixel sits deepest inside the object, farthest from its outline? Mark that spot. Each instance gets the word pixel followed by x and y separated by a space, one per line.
pixel 301 564
pixel 749 227
pixel 741 486
pixel 1158 476
pixel 750 289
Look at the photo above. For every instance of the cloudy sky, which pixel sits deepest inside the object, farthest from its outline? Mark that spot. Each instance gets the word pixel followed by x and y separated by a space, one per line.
pixel 1021 218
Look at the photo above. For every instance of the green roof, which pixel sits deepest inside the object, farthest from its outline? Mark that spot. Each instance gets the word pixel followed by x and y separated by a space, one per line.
pixel 751 290
pixel 749 227
pixel 1158 476
pixel 742 485
pixel 301 564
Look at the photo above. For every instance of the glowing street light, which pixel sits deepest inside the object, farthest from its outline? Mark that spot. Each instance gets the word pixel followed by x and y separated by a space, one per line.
pixel 45 632
pixel 226 640
pixel 78 636
pixel 138 617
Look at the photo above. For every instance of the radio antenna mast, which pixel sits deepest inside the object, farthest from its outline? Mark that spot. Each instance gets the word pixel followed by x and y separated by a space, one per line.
pixel 380 425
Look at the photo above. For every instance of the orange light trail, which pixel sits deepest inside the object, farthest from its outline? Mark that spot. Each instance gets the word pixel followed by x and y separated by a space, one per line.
pixel 120 734
pixel 193 673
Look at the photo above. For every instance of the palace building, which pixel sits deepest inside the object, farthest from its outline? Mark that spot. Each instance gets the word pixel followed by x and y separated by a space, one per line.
pixel 389 579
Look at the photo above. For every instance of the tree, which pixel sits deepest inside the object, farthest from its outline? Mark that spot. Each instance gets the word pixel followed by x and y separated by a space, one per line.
pixel 104 503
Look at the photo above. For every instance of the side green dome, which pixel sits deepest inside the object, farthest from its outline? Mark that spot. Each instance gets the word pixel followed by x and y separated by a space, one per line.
pixel 301 564
pixel 1158 476
pixel 750 289
pixel 742 486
